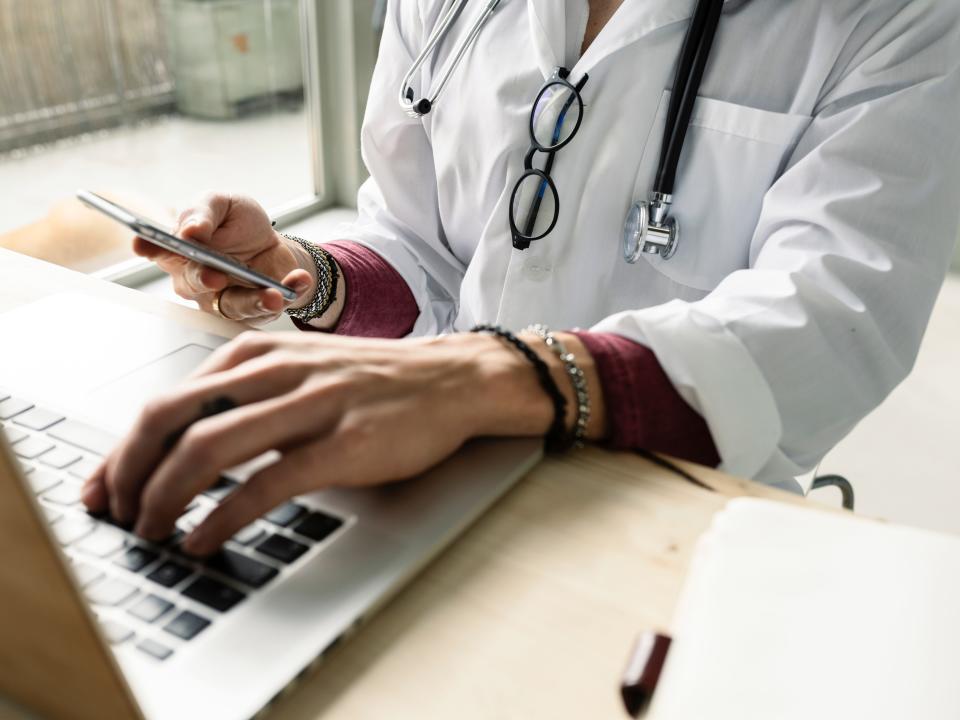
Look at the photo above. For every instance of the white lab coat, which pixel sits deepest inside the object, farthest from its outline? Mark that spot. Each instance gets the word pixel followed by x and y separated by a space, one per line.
pixel 817 196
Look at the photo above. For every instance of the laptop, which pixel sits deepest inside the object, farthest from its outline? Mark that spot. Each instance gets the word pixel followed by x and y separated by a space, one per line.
pixel 96 623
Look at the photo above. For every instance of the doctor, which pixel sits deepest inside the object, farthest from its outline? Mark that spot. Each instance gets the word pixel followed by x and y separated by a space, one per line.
pixel 814 192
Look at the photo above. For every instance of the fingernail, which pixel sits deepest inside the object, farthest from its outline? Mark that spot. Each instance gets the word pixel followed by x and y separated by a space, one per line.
pixel 261 307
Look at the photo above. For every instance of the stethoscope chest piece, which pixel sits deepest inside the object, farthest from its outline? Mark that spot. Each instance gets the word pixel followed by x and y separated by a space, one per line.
pixel 650 230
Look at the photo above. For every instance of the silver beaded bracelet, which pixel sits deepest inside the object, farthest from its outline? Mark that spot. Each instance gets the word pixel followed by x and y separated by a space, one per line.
pixel 577 378
pixel 327 280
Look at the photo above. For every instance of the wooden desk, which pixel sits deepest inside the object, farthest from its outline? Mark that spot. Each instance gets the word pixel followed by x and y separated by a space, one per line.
pixel 532 612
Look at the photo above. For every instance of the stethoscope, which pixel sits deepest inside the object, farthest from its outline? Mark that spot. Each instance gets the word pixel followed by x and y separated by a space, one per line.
pixel 649 228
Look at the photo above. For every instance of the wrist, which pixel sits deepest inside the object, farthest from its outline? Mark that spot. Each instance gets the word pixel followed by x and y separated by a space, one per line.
pixel 298 258
pixel 497 387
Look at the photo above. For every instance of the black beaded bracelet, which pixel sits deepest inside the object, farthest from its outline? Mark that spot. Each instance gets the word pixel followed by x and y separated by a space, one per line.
pixel 557 438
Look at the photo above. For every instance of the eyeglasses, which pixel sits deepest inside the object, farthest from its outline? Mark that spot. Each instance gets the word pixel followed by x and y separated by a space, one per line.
pixel 554 120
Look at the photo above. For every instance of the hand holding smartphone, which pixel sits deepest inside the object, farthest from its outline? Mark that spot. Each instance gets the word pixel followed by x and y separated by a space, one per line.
pixel 151 232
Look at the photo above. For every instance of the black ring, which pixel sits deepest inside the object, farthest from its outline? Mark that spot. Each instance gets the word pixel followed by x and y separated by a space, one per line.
pixel 209 408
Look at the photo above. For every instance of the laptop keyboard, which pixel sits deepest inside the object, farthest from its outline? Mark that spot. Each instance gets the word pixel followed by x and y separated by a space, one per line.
pixel 150 595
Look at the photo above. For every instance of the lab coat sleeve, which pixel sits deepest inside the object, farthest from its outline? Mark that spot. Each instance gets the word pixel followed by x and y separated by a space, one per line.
pixel 398 209
pixel 851 248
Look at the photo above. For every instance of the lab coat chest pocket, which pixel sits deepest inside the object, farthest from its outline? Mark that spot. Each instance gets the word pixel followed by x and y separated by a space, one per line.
pixel 731 157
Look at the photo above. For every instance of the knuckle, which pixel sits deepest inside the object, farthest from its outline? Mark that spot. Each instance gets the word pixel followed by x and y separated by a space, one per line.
pixel 155 413
pixel 198 446
pixel 355 434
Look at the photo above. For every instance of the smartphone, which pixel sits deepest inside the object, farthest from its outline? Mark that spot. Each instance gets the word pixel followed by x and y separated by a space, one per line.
pixel 151 232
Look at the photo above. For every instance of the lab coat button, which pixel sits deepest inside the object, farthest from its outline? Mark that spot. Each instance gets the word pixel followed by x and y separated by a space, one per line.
pixel 538 273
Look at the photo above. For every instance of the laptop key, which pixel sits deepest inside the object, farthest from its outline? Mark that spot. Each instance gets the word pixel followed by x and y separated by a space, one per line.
pixel 187 625
pixel 317 526
pixel 52 515
pixel 13 406
pixel 110 591
pixel 103 542
pixel 86 574
pixel 136 558
pixel 86 437
pixel 32 447
pixel 71 529
pixel 84 468
pixel 115 632
pixel 249 535
pixel 285 514
pixel 170 573
pixel 155 649
pixel 60 458
pixel 282 548
pixel 150 609
pixel 4 394
pixel 224 487
pixel 38 419
pixel 42 480
pixel 241 568
pixel 213 593
pixel 14 435
pixel 64 494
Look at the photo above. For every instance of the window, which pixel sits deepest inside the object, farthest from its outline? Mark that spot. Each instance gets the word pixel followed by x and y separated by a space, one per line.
pixel 152 102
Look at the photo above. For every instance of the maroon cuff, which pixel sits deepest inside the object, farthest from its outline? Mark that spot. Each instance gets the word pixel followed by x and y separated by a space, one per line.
pixel 379 302
pixel 644 409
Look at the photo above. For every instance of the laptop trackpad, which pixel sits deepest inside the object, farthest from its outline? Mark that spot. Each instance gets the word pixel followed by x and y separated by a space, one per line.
pixel 117 404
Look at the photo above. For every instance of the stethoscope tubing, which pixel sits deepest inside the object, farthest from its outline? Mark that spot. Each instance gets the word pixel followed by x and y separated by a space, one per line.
pixel 694 54
pixel 419 108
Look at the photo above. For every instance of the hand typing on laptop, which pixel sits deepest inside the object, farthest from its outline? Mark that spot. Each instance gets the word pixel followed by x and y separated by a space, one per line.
pixel 341 411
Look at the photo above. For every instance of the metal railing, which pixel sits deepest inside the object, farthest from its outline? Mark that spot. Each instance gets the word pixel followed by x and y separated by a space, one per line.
pixel 74 66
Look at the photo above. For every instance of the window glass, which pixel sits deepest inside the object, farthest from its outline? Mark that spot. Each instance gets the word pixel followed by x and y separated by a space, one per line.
pixel 149 102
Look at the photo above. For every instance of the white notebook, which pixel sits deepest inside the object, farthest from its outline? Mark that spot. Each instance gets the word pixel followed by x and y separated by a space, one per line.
pixel 789 612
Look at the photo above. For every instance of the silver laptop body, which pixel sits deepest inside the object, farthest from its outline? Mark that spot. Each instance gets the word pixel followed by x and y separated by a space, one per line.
pixel 90 373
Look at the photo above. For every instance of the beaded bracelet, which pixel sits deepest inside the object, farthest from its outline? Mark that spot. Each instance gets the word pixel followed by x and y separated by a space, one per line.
pixel 577 379
pixel 328 279
pixel 557 439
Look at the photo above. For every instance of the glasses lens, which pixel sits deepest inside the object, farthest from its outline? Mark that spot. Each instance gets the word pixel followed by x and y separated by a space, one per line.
pixel 556 116
pixel 534 206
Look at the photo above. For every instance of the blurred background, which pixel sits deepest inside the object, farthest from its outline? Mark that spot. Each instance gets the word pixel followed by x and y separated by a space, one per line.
pixel 156 101
pixel 153 102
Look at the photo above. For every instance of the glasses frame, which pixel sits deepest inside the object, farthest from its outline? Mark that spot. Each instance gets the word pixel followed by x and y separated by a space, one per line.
pixel 523 238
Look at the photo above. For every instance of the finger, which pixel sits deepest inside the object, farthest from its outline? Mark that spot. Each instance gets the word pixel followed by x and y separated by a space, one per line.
pixel 143 450
pixel 211 446
pixel 241 349
pixel 200 222
pixel 94 493
pixel 145 248
pixel 200 279
pixel 295 474
pixel 244 304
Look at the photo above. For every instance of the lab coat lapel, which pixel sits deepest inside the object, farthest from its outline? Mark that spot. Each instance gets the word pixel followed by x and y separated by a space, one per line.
pixel 634 20
pixel 548 28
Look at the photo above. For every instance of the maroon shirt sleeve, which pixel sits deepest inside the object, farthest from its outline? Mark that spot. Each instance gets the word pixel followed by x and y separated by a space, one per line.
pixel 380 302
pixel 644 409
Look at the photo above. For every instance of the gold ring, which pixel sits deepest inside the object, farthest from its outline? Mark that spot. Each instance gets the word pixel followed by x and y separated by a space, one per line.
pixel 216 305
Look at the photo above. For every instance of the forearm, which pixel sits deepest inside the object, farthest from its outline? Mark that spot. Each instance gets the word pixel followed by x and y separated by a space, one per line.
pixel 633 404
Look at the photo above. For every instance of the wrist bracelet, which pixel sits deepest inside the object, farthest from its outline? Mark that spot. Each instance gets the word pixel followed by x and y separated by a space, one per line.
pixel 328 278
pixel 557 439
pixel 577 379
